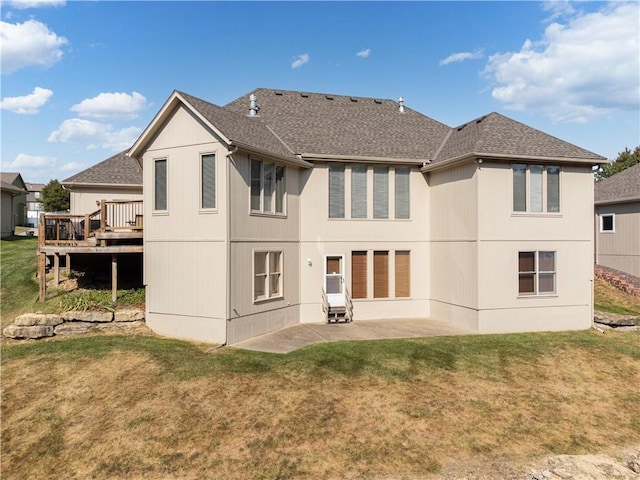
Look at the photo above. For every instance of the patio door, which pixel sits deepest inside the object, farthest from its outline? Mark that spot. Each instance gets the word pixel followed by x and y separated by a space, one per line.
pixel 334 279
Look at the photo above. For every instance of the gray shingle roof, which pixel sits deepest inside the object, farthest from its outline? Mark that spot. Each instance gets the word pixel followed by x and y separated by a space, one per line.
pixel 9 187
pixel 499 135
pixel 622 185
pixel 12 178
pixel 116 170
pixel 315 123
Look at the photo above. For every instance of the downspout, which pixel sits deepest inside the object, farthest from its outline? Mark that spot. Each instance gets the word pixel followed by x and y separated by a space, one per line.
pixel 227 165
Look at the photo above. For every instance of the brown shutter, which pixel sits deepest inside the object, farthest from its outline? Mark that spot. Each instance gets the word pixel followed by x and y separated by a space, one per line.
pixel 403 274
pixel 381 274
pixel 359 274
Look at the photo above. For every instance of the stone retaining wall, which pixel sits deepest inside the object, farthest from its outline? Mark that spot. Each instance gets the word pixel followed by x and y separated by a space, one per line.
pixel 40 325
pixel 627 283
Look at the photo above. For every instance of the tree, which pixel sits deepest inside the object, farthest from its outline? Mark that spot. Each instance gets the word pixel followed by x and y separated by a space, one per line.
pixel 625 160
pixel 54 197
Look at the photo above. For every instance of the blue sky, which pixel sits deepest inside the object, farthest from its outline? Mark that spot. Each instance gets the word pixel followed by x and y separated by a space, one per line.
pixel 81 80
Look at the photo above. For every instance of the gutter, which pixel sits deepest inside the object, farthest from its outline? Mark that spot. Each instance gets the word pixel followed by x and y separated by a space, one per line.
pixel 362 159
pixel 112 185
pixel 297 162
pixel 617 200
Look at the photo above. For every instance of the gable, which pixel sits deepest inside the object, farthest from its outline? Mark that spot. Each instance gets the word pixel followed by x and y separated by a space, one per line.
pixel 180 128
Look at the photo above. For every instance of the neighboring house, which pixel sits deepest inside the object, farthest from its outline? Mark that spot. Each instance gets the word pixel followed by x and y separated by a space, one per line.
pixel 261 213
pixel 34 203
pixel 117 178
pixel 18 216
pixel 617 225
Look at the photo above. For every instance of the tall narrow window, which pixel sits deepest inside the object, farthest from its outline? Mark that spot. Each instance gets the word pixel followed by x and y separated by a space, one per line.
pixel 160 184
pixel 274 274
pixel 535 171
pixel 519 188
pixel 280 189
pixel 380 192
pixel 336 191
pixel 268 186
pixel 403 274
pixel 553 189
pixel 402 194
pixel 359 191
pixel 208 179
pixel 359 274
pixel 260 275
pixel 547 272
pixel 256 185
pixel 381 274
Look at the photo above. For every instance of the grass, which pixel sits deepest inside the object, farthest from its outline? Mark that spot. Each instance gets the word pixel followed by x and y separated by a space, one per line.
pixel 608 298
pixel 146 407
pixel 19 286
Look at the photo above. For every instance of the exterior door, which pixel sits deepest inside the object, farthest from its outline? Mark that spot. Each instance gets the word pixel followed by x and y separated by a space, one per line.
pixel 334 279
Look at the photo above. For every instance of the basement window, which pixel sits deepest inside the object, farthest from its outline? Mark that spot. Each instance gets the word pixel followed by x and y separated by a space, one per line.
pixel 608 223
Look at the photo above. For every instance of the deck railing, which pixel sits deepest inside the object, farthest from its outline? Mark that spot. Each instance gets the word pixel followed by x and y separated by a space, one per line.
pixel 68 229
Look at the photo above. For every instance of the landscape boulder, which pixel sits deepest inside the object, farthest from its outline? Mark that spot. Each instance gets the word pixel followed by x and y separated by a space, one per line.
pixel 33 331
pixel 73 328
pixel 615 320
pixel 87 316
pixel 130 315
pixel 37 319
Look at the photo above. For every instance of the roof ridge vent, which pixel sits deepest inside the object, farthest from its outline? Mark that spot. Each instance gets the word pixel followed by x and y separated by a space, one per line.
pixel 253 106
pixel 379 102
pixel 328 97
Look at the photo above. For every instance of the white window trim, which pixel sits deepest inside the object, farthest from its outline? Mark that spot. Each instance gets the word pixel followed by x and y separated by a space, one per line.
pixel 267 296
pixel 261 212
pixel 153 193
pixel 200 183
pixel 537 272
pixel 544 212
pixel 613 222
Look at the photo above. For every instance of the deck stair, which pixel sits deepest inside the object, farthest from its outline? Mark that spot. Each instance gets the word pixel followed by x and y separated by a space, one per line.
pixel 338 313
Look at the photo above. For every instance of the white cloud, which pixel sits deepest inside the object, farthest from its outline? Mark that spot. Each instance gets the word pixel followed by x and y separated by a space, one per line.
pixel 301 60
pixel 22 4
pixel 27 44
pixel 71 167
pixel 558 8
pixel 94 134
pixel 364 53
pixel 461 57
pixel 29 104
pixel 582 69
pixel 111 105
pixel 23 160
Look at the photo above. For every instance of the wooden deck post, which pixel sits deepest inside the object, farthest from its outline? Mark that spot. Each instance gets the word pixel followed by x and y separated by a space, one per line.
pixel 67 262
pixel 114 277
pixel 42 276
pixel 56 269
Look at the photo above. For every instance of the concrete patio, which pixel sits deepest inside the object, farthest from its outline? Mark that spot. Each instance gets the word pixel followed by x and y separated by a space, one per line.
pixel 299 336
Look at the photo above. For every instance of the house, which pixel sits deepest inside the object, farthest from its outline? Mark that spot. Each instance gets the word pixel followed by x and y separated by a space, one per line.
pixel 14 212
pixel 285 207
pixel 34 203
pixel 117 178
pixel 617 221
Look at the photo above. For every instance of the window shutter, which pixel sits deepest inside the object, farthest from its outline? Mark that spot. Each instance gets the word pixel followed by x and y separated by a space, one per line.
pixel 380 192
pixel 519 188
pixel 160 177
pixel 535 171
pixel 403 274
pixel 359 191
pixel 336 191
pixel 381 274
pixel 402 193
pixel 359 274
pixel 553 189
pixel 208 186
pixel 256 186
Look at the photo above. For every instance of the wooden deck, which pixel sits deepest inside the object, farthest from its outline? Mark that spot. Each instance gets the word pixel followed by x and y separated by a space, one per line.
pixel 115 228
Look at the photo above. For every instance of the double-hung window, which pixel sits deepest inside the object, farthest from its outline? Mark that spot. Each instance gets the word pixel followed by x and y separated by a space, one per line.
pixel 208 182
pixel 267 188
pixel 267 273
pixel 536 188
pixel 536 273
pixel 160 185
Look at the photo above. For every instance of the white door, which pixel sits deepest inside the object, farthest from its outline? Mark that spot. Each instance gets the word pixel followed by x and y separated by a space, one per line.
pixel 334 279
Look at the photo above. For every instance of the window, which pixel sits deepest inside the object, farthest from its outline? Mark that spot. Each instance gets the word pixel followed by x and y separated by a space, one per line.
pixel 267 188
pixel 536 188
pixel 536 273
pixel 607 223
pixel 380 274
pixel 403 274
pixel 208 181
pixel 380 192
pixel 402 193
pixel 336 191
pixel 267 272
pixel 359 274
pixel 160 184
pixel 359 191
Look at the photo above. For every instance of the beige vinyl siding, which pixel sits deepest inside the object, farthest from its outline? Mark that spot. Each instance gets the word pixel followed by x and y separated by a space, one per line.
pixel 620 249
pixel 83 200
